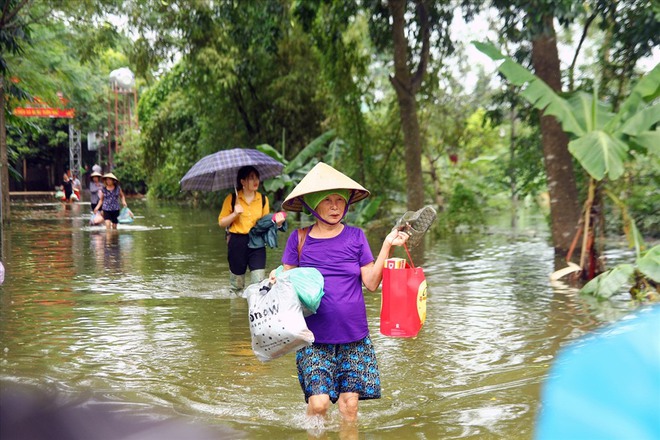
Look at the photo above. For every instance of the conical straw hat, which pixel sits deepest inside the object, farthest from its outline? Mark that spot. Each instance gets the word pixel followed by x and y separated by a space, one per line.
pixel 321 178
pixel 110 176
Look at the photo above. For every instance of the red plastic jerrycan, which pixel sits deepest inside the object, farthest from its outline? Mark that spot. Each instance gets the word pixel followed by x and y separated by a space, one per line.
pixel 403 304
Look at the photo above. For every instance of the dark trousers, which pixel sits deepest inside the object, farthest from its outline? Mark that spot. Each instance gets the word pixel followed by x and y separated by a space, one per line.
pixel 241 256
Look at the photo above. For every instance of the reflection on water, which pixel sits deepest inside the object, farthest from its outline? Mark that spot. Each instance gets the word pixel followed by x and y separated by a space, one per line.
pixel 143 315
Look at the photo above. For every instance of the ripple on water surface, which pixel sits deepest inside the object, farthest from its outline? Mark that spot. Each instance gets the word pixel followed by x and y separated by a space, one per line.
pixel 143 315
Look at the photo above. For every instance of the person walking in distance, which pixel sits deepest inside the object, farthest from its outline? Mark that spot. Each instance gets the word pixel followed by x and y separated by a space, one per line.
pixel 240 212
pixel 109 199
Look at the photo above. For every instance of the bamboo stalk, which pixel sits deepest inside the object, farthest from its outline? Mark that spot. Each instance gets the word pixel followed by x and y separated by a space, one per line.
pixel 578 233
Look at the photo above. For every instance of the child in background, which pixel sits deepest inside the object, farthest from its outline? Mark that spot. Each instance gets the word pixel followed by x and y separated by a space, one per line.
pixel 76 186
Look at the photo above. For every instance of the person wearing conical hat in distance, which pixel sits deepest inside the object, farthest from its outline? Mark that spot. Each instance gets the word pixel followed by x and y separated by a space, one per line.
pixel 340 366
pixel 249 205
pixel 95 186
pixel 109 198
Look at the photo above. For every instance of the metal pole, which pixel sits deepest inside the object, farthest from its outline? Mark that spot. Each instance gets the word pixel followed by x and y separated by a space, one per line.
pixel 74 150
pixel 127 106
pixel 135 109
pixel 116 120
pixel 109 138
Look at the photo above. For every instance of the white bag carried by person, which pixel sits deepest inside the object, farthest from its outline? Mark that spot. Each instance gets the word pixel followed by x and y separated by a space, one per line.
pixel 125 215
pixel 96 219
pixel 276 318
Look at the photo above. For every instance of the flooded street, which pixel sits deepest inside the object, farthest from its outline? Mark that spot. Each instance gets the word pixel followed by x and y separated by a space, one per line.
pixel 143 317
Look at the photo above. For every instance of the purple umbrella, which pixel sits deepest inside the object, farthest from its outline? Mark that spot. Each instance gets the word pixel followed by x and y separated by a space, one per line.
pixel 218 170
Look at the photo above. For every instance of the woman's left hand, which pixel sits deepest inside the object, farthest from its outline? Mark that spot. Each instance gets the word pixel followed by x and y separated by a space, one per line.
pixel 397 238
pixel 279 218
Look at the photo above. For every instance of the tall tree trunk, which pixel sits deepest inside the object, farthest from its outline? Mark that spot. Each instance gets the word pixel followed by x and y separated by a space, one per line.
pixel 412 143
pixel 406 86
pixel 564 204
pixel 4 162
pixel 512 180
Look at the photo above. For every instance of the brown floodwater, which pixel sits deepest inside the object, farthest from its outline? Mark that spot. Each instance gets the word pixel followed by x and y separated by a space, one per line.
pixel 141 320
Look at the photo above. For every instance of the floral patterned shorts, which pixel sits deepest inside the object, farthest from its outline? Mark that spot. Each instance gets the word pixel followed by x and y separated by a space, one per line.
pixel 339 368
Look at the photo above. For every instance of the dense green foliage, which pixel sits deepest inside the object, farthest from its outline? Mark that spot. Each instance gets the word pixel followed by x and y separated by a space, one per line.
pixel 603 142
pixel 313 80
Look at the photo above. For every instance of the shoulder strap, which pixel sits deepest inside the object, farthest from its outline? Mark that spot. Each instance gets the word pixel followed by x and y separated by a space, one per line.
pixel 302 236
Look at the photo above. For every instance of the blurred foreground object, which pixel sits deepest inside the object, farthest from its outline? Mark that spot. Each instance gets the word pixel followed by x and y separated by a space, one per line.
pixel 607 385
pixel 30 413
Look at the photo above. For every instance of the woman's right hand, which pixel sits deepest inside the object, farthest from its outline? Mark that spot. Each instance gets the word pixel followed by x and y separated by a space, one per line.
pixel 397 237
pixel 238 208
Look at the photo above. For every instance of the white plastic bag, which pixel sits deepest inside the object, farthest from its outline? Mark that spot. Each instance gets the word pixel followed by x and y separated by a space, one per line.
pixel 277 324
pixel 125 215
pixel 96 219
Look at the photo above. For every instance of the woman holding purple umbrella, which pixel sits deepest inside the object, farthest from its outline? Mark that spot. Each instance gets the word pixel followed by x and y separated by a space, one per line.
pixel 240 212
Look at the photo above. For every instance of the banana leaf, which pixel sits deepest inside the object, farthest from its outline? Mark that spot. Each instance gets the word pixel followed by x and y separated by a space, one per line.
pixel 610 282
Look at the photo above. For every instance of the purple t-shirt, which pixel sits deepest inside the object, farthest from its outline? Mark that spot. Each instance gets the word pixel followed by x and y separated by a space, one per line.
pixel 342 314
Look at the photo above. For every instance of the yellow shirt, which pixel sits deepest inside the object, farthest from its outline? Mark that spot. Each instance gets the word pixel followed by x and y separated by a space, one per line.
pixel 251 212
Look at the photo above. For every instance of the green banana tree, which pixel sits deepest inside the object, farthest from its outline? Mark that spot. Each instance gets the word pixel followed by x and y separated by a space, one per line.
pixel 325 146
pixel 602 141
pixel 328 147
